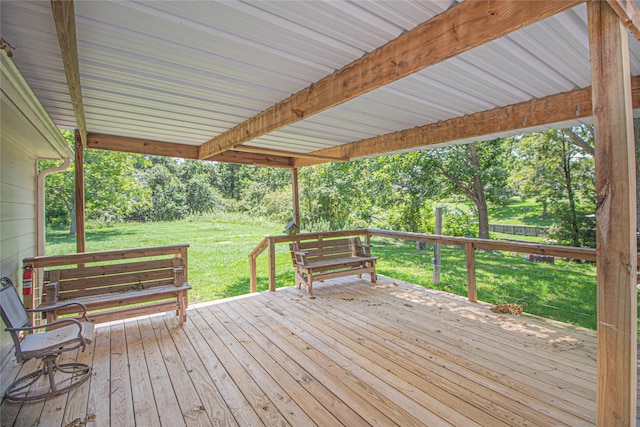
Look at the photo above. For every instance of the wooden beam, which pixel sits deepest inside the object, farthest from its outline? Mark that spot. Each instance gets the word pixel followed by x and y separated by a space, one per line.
pixel 462 27
pixel 555 108
pixel 81 245
pixel 64 18
pixel 253 159
pixel 629 14
pixel 141 146
pixel 616 255
pixel 184 151
pixel 252 149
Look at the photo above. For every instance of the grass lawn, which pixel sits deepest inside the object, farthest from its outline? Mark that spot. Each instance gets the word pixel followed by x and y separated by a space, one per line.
pixel 219 267
pixel 525 212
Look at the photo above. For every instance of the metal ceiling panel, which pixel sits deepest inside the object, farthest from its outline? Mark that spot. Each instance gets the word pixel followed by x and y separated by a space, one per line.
pixel 186 72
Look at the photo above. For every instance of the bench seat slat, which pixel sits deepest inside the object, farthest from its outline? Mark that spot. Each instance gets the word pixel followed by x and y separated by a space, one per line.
pixel 128 312
pixel 81 293
pixel 117 299
pixel 320 264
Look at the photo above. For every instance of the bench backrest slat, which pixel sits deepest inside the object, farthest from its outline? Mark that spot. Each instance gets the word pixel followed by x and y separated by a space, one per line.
pixel 105 270
pixel 320 244
pixel 333 249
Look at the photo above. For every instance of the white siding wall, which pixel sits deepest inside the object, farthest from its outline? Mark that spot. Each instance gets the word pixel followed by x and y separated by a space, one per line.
pixel 17 214
pixel 26 133
pixel 17 208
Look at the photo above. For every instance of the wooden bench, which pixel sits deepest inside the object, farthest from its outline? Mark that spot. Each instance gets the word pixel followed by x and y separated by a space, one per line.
pixel 116 284
pixel 320 260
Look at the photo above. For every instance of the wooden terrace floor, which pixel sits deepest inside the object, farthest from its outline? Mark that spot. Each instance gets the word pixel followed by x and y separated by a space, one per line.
pixel 355 355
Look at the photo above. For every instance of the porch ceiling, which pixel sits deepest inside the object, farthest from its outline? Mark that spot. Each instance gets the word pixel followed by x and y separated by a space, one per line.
pixel 187 72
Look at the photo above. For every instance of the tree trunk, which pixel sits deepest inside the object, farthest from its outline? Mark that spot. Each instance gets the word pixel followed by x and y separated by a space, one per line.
pixel 479 199
pixel 568 182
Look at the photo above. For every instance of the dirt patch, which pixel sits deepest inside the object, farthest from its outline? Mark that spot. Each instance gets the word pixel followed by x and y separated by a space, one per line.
pixel 513 309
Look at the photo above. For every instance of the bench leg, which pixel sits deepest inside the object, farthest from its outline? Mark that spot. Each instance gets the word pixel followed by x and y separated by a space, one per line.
pixel 374 276
pixel 182 312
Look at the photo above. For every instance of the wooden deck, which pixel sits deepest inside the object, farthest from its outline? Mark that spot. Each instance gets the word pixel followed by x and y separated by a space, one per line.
pixel 357 354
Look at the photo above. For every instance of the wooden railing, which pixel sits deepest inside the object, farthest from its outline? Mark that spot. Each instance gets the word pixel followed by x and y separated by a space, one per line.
pixel 470 245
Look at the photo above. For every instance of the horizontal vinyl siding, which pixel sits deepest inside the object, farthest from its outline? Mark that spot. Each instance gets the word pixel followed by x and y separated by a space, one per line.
pixel 17 212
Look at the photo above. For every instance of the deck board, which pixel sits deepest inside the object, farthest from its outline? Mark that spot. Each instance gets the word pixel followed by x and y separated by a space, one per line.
pixel 357 354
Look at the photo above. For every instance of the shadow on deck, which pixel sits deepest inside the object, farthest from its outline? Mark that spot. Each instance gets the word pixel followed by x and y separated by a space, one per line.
pixel 358 354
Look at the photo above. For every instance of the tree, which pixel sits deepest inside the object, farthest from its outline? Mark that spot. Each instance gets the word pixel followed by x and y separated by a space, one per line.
pixel 111 190
pixel 476 171
pixel 558 167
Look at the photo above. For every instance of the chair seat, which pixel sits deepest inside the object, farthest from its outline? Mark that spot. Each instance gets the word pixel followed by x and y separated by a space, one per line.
pixel 34 345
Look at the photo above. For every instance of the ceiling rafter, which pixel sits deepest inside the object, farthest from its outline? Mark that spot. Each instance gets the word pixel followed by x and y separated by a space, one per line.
pixel 628 13
pixel 171 149
pixel 551 109
pixel 252 149
pixel 65 20
pixel 462 27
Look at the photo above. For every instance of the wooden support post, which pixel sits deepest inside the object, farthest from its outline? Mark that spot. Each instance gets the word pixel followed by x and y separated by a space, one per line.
pixel 472 292
pixel 295 197
pixel 272 265
pixel 80 226
pixel 437 251
pixel 615 218
pixel 253 279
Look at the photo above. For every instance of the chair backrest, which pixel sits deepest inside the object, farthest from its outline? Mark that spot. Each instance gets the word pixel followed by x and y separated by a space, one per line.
pixel 13 312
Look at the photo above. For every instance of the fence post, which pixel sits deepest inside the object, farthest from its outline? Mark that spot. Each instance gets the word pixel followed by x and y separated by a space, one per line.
pixel 272 265
pixel 472 293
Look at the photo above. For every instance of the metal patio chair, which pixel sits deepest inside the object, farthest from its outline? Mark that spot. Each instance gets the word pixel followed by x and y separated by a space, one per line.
pixel 69 334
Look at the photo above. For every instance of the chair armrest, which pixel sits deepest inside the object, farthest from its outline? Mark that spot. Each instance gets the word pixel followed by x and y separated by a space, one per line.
pixel 61 305
pixel 48 325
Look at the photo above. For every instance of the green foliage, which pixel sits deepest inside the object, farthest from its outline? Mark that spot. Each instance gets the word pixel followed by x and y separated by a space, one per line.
pixel 396 192
pixel 111 191
pixel 218 265
pixel 559 171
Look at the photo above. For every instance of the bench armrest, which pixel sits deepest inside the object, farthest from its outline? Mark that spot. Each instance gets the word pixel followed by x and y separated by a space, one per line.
pixel 301 257
pixel 178 276
pixel 366 249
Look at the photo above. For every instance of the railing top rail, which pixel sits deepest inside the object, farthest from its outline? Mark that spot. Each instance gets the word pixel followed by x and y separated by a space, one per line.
pixel 317 234
pixel 111 255
pixel 587 254
pixel 264 243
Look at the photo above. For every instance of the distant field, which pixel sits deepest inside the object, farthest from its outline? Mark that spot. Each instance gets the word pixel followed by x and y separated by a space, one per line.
pixel 520 213
pixel 219 268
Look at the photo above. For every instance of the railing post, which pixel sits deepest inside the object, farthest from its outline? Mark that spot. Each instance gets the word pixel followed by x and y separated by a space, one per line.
pixel 253 280
pixel 472 293
pixel 272 265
